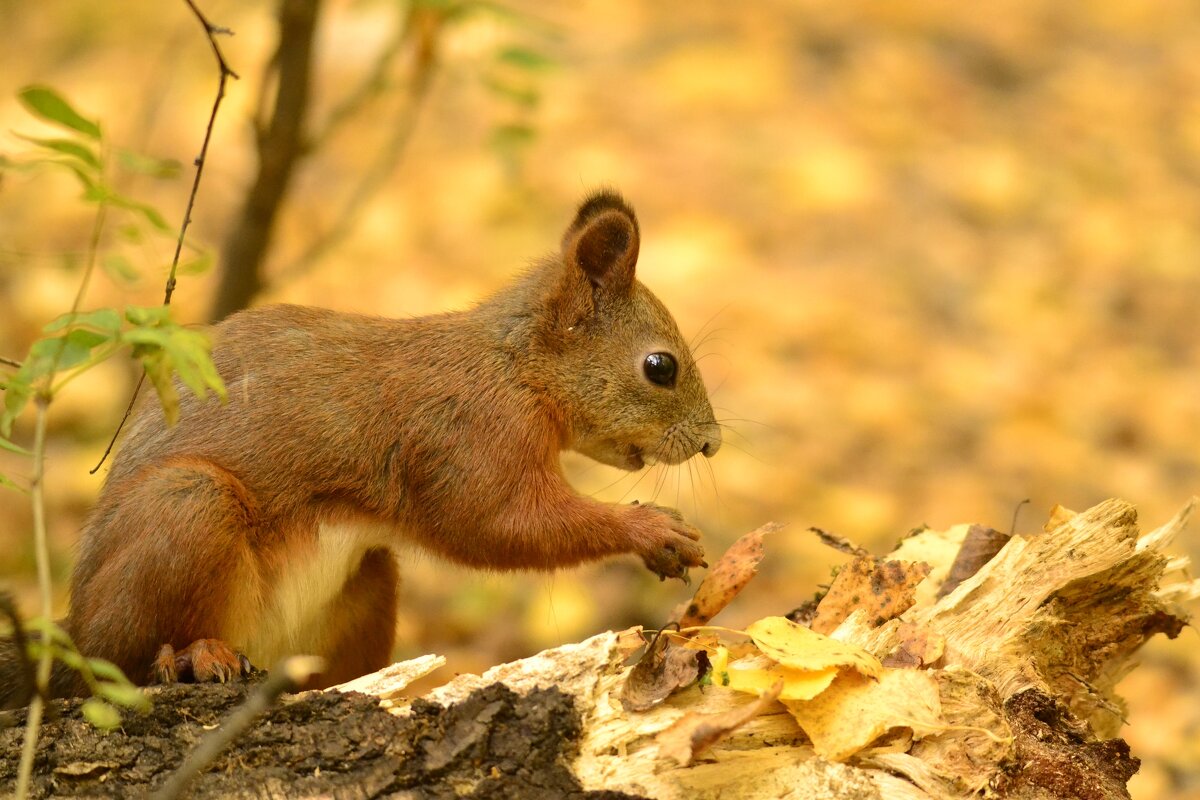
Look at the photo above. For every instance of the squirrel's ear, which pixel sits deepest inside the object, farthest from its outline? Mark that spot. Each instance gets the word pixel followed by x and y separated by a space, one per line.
pixel 603 242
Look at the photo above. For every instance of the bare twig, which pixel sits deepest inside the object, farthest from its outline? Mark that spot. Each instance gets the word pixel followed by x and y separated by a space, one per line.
pixel 8 362
pixel 287 676
pixel 211 31
pixel 423 26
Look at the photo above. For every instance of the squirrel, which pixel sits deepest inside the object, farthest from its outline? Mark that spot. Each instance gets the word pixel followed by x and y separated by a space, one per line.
pixel 267 523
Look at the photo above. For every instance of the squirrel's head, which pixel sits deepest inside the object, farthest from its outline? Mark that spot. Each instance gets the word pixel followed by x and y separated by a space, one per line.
pixel 622 374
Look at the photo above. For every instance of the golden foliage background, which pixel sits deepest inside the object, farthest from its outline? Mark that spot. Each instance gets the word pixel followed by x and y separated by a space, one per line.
pixel 942 258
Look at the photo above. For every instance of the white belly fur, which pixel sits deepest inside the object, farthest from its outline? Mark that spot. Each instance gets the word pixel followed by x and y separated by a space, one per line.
pixel 291 620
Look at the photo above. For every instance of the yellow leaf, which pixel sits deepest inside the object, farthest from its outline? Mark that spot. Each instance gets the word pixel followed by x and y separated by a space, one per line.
pixel 798 647
pixel 758 675
pixel 855 711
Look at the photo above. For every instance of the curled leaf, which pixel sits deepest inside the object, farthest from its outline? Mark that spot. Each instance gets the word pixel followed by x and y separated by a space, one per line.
pixel 693 733
pixel 664 668
pixel 727 578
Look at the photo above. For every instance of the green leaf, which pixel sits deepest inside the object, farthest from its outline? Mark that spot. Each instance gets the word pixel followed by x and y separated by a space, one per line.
pixel 198 265
pixel 147 315
pixel 103 319
pixel 17 395
pixel 149 165
pixel 124 695
pixel 158 370
pixel 106 670
pixel 527 98
pixel 47 104
pixel 513 136
pixel 11 447
pixel 167 350
pixel 53 631
pixel 8 483
pixel 71 657
pixel 148 212
pixel 524 58
pixel 67 147
pixel 63 352
pixel 100 714
pixel 119 268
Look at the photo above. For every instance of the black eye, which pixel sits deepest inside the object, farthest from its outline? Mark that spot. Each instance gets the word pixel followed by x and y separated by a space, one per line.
pixel 660 368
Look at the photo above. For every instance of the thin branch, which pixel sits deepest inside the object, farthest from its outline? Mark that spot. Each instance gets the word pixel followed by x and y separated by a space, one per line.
pixel 211 31
pixel 33 723
pixel 8 362
pixel 424 25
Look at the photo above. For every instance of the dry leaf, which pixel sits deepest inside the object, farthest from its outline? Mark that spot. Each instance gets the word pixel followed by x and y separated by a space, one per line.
pixel 758 674
pixel 938 549
pixel 839 543
pixel 730 574
pixel 918 647
pixel 798 647
pixel 694 733
pixel 855 710
pixel 884 589
pixel 978 548
pixel 664 668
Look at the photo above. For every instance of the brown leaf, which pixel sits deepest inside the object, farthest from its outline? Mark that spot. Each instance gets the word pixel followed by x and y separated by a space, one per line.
pixel 918 647
pixel 694 732
pixel 664 668
pixel 980 544
pixel 884 589
pixel 727 577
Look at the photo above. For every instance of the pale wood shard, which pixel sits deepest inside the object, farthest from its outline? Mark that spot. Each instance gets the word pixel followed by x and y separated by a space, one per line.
pixel 391 681
pixel 1051 622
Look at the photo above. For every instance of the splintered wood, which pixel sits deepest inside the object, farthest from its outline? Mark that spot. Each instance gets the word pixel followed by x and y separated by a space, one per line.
pixel 1004 682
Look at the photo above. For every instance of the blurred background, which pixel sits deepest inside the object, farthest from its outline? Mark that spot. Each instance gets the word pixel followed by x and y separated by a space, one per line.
pixel 941 257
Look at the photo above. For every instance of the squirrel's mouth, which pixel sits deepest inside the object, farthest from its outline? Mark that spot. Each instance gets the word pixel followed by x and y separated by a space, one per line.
pixel 633 458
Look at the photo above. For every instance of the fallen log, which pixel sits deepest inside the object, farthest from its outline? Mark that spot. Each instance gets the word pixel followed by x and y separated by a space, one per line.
pixel 1003 685
pixel 1011 687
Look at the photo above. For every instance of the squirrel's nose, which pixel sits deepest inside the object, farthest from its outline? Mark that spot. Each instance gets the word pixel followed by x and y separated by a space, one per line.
pixel 710 447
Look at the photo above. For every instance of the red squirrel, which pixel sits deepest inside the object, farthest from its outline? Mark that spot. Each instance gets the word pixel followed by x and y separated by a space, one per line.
pixel 266 524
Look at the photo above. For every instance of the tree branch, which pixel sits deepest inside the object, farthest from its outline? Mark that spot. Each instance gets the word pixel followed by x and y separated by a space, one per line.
pixel 211 31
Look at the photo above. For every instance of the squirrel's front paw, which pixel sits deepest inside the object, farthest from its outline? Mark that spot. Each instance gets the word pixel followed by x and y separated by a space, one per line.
pixel 674 546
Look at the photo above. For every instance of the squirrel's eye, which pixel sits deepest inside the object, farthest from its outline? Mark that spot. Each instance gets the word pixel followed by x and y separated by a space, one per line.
pixel 660 368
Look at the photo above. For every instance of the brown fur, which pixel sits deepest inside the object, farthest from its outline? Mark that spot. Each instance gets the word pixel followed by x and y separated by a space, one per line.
pixel 344 434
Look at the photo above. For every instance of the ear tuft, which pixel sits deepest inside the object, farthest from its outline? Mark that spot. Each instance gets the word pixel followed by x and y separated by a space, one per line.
pixel 603 241
pixel 599 202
